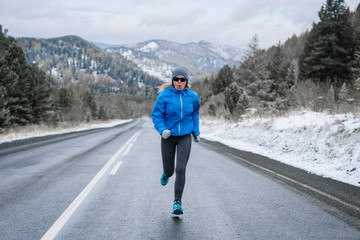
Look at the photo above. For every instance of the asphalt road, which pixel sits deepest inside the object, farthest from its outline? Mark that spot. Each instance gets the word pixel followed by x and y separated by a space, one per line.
pixel 105 184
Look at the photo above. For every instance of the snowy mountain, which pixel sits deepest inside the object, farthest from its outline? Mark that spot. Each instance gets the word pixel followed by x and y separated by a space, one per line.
pixel 159 57
pixel 75 57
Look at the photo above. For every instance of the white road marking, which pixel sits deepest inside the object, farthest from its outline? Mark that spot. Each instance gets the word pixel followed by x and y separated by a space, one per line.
pixel 60 222
pixel 117 165
pixel 127 149
pixel 115 169
pixel 138 133
pixel 301 184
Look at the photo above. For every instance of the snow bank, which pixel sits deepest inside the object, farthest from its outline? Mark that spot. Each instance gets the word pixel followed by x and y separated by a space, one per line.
pixel 32 132
pixel 326 145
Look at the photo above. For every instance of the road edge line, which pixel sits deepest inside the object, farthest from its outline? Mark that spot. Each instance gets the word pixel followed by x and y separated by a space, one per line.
pixel 299 183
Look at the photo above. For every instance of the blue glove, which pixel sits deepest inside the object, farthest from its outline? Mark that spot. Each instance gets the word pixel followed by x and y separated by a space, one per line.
pixel 197 138
pixel 166 134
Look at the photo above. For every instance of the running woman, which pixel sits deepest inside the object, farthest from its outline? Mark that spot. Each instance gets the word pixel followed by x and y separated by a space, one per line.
pixel 176 117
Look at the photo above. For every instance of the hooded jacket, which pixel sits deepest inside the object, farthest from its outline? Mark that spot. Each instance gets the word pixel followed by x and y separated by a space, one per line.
pixel 177 111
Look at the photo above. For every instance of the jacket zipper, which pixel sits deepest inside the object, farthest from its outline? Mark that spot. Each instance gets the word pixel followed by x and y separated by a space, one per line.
pixel 181 104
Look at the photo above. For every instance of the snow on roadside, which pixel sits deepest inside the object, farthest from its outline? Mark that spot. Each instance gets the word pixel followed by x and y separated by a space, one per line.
pixel 39 132
pixel 323 144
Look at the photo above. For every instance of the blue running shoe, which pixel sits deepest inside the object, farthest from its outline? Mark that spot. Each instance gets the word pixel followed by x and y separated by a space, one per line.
pixel 177 210
pixel 164 179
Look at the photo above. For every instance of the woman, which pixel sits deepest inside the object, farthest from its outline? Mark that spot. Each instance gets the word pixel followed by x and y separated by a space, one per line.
pixel 176 118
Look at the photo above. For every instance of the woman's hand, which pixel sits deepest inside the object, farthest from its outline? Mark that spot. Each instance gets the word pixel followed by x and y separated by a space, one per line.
pixel 166 134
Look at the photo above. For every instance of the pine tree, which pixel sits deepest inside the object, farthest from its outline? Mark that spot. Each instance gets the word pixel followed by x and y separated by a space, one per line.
pixel 330 47
pixel 64 102
pixel 236 100
pixel 355 64
pixel 14 76
pixel 356 22
pixel 280 72
pixel 252 74
pixel 232 96
pixel 223 79
pixel 40 91
pixel 4 110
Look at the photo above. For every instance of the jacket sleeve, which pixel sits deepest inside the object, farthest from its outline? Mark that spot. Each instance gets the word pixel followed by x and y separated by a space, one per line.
pixel 195 116
pixel 158 114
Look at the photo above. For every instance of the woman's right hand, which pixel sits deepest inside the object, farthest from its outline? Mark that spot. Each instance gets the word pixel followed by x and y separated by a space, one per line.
pixel 166 134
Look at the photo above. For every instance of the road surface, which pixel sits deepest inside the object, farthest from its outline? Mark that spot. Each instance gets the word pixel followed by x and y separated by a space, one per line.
pixel 105 184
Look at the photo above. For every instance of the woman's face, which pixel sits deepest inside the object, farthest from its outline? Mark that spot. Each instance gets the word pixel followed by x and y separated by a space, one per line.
pixel 179 83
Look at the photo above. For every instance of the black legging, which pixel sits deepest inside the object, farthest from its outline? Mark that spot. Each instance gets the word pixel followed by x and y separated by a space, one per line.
pixel 182 146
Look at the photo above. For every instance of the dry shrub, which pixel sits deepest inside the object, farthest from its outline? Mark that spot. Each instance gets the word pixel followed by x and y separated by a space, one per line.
pixel 318 98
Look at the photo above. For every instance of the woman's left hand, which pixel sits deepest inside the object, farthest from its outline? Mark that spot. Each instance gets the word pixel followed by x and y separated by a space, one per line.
pixel 197 138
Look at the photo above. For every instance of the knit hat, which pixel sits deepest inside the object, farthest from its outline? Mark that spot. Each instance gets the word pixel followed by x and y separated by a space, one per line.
pixel 180 71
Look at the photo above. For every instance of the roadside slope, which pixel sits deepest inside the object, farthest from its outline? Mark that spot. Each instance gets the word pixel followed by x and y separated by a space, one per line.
pixel 319 143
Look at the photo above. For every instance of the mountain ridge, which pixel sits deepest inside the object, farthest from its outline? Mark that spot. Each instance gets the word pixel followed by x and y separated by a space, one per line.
pixel 72 58
pixel 127 67
pixel 159 57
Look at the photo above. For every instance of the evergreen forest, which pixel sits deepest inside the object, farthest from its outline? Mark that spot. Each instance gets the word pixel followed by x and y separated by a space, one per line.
pixel 317 70
pixel 68 79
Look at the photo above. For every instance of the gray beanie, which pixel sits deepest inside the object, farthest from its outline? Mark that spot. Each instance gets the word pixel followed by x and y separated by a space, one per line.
pixel 180 71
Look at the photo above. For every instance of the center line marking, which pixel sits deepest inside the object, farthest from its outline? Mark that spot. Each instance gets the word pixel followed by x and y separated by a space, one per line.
pixel 127 150
pixel 60 222
pixel 115 169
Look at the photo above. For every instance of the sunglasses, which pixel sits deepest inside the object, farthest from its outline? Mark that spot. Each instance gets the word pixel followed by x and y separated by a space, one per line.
pixel 176 79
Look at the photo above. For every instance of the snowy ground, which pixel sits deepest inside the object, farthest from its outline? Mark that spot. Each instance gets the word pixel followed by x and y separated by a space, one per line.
pixel 38 131
pixel 326 145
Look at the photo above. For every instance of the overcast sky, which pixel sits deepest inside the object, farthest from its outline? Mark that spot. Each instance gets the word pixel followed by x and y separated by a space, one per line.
pixel 231 22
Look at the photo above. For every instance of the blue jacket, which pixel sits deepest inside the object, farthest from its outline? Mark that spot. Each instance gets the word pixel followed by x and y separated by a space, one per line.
pixel 177 111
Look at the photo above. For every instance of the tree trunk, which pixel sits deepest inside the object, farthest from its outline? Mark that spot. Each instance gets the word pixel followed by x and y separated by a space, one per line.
pixel 337 87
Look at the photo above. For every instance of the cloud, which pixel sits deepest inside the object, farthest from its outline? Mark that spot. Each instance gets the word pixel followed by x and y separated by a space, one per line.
pixel 128 21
